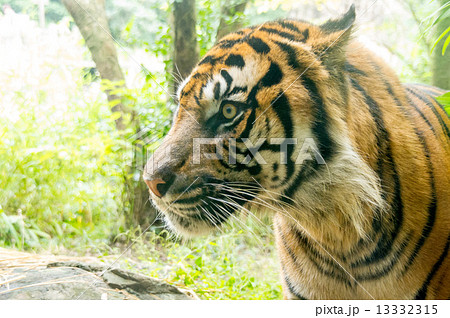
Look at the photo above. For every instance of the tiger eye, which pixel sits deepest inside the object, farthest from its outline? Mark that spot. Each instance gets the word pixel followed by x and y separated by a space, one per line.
pixel 229 111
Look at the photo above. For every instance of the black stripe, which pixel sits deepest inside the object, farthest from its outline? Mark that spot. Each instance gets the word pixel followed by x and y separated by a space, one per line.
pixel 191 200
pixel 291 53
pixel 321 123
pixel 352 69
pixel 386 242
pixel 253 170
pixel 258 45
pixel 273 76
pixel 287 248
pixel 417 109
pixel 430 92
pixel 320 129
pixel 284 112
pixel 432 206
pixel 217 91
pixel 306 34
pixel 305 173
pixel 197 101
pixel 426 231
pixel 429 97
pixel 316 258
pixel 235 90
pixel 285 35
pixel 292 290
pixel 290 286
pixel 248 125
pixel 228 80
pixel 433 90
pixel 184 92
pixel 289 25
pixel 235 60
pixel 251 98
pixel 440 106
pixel 395 256
pixel 228 44
pixel 431 106
pixel 210 60
pixel 422 292
pixel 200 75
pixel 319 260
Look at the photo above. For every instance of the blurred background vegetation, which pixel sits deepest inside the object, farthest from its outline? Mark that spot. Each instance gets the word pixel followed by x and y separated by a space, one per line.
pixel 86 93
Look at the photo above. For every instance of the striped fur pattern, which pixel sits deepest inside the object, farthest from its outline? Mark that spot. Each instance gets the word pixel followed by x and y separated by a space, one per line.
pixel 374 221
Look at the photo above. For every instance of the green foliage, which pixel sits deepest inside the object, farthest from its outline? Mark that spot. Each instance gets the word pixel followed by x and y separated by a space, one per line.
pixel 442 13
pixel 409 45
pixel 61 175
pixel 138 22
pixel 208 18
pixel 235 264
pixel 55 11
pixel 445 101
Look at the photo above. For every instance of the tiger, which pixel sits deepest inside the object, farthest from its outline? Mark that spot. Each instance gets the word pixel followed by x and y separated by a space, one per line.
pixel 303 121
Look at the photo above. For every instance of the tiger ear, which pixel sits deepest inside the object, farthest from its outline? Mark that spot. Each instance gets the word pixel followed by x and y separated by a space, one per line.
pixel 341 24
pixel 335 36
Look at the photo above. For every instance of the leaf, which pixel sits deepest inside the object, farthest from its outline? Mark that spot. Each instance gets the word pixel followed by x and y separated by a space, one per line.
pixel 440 38
pixel 199 262
pixel 42 234
pixel 446 43
pixel 444 99
pixel 437 19
pixel 445 5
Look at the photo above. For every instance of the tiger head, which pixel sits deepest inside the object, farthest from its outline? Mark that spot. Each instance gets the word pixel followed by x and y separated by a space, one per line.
pixel 253 123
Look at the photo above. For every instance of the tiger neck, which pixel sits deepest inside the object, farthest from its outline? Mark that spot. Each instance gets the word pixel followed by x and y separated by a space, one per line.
pixel 337 209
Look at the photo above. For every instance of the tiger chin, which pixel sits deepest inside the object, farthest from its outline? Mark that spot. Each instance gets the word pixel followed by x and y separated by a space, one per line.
pixel 303 121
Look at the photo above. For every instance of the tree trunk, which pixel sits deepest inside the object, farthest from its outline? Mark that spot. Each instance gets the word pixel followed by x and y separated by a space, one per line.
pixel 186 51
pixel 230 10
pixel 90 18
pixel 441 64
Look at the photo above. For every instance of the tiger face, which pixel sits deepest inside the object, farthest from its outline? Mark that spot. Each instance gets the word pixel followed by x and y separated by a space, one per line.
pixel 251 124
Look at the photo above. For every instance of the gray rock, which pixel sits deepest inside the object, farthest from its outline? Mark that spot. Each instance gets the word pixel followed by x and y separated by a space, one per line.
pixel 75 280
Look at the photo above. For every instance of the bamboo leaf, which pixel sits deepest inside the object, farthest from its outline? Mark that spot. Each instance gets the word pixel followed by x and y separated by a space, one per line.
pixel 440 38
pixel 446 43
pixel 442 7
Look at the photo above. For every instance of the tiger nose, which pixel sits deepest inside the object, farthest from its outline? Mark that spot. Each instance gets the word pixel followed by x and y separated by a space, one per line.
pixel 153 186
pixel 160 182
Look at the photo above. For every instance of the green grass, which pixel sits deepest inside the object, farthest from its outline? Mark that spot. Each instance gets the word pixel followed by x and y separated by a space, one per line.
pixel 234 264
pixel 60 175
